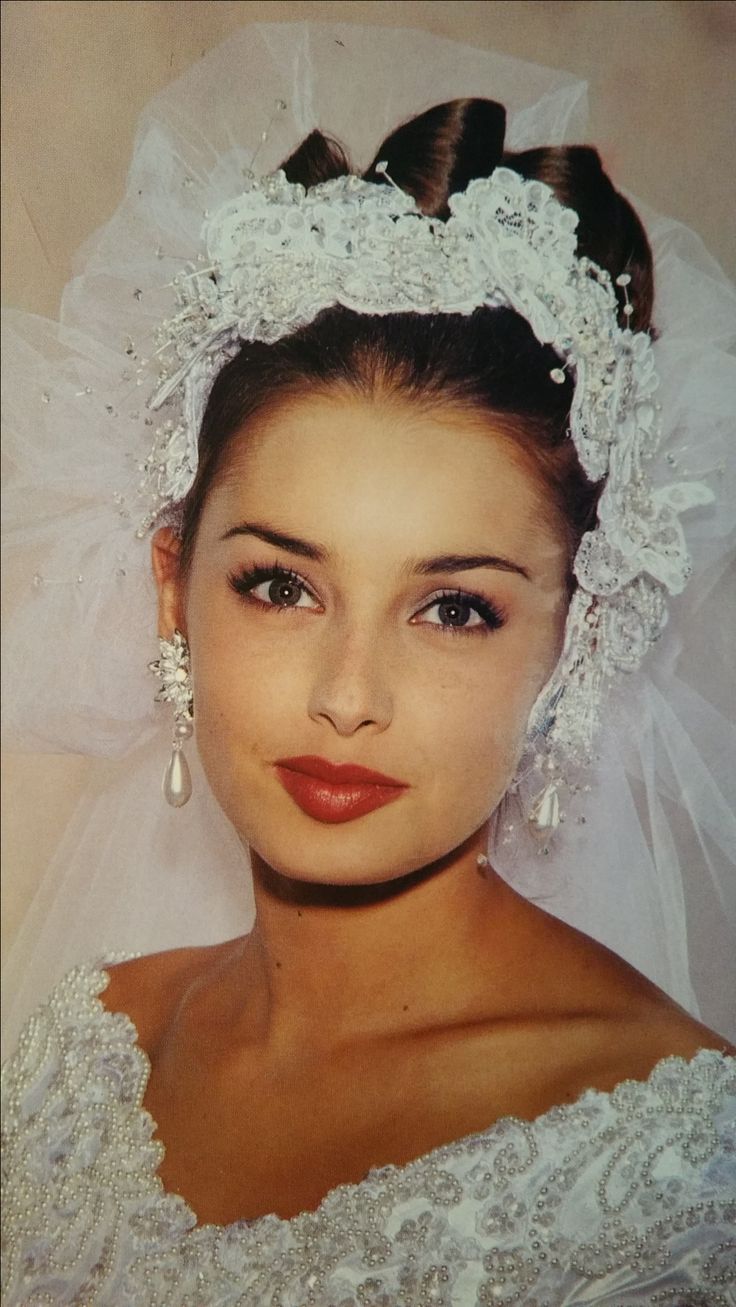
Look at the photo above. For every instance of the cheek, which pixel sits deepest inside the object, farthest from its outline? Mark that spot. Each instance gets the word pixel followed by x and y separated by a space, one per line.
pixel 247 690
pixel 473 727
pixel 475 717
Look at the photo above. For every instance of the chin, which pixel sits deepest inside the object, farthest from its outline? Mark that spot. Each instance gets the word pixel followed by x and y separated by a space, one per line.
pixel 346 867
pixel 362 859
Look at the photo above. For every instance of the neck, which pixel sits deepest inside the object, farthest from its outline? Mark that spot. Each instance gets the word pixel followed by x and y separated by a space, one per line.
pixel 341 963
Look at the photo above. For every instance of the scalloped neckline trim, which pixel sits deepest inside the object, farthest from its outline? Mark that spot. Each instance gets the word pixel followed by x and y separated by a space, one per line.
pixel 98 978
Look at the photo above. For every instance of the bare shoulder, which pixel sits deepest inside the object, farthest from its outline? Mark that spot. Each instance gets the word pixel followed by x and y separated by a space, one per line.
pixel 622 1023
pixel 662 1026
pixel 643 1023
pixel 149 989
pixel 654 1021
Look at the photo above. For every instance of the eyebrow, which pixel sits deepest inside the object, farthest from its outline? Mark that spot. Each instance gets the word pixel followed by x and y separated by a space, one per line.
pixel 425 567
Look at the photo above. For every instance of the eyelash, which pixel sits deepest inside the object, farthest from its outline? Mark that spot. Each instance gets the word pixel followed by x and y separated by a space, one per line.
pixel 245 582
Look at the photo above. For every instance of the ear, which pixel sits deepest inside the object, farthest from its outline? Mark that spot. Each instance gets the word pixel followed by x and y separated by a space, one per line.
pixel 165 561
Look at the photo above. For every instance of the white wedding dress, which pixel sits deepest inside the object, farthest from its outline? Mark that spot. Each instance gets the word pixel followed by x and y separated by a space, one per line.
pixel 621 1198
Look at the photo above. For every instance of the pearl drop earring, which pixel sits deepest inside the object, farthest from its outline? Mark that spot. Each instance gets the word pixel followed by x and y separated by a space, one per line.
pixel 172 669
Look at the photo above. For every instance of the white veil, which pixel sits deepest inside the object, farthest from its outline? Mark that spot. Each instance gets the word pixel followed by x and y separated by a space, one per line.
pixel 645 861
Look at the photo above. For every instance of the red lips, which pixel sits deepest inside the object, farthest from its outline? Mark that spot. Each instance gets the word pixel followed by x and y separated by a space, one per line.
pixel 335 792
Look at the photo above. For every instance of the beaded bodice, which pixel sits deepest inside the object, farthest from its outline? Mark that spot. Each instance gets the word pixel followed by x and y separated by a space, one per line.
pixel 618 1199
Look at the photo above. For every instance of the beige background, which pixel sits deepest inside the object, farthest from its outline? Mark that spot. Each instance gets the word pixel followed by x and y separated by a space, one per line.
pixel 76 75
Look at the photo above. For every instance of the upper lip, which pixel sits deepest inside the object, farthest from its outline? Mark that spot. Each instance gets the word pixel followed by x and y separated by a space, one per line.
pixel 345 773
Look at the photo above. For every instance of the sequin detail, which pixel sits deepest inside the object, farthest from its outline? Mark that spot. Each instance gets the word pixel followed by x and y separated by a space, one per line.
pixel 623 1198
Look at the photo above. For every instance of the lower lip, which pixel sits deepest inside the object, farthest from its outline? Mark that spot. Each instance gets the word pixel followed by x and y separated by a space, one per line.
pixel 333 803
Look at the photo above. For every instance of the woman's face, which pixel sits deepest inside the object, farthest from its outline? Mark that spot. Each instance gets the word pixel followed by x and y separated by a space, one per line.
pixel 406 627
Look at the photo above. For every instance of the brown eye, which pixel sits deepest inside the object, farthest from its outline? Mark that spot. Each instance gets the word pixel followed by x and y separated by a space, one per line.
pixel 273 587
pixel 284 593
pixel 461 611
pixel 453 613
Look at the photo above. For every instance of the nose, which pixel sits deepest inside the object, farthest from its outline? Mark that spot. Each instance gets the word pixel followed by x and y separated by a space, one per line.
pixel 350 690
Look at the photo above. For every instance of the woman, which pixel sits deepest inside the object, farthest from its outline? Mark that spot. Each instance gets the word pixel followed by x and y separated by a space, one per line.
pixel 384 596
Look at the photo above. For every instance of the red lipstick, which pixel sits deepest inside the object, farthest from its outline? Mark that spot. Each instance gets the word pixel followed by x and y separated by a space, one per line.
pixel 335 792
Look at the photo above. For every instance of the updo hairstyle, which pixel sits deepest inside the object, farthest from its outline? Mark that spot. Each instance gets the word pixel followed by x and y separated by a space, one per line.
pixel 489 361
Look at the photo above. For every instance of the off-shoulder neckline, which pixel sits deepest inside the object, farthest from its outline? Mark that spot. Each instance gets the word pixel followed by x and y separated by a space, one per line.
pixel 99 978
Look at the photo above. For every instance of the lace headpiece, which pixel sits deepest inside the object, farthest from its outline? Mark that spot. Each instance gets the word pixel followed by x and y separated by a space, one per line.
pixel 277 255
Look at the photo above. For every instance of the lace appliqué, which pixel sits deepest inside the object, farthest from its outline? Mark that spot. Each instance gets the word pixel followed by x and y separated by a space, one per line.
pixel 627 1197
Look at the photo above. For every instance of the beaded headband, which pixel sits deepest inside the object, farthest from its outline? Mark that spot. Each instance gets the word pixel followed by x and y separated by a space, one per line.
pixel 274 257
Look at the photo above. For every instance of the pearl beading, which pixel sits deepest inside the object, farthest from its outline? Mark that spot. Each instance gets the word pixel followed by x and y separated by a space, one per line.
pixel 596 1201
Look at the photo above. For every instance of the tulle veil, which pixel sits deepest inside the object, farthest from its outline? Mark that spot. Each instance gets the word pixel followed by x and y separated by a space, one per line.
pixel 646 864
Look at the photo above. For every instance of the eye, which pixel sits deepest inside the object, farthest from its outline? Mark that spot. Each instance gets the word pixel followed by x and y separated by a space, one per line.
pixel 458 612
pixel 273 587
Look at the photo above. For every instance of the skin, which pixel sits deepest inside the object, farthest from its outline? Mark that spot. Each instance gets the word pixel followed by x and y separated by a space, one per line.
pixel 392 995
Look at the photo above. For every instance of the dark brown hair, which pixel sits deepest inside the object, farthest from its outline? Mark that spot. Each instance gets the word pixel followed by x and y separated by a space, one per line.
pixel 489 361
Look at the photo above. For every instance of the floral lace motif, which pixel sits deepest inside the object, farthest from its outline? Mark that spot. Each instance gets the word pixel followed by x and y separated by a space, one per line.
pixel 626 1197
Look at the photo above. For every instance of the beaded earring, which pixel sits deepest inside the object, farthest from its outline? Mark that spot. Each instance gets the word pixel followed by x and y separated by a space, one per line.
pixel 172 669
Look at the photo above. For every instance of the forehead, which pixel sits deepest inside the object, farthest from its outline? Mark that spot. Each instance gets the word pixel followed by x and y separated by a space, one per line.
pixel 379 470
